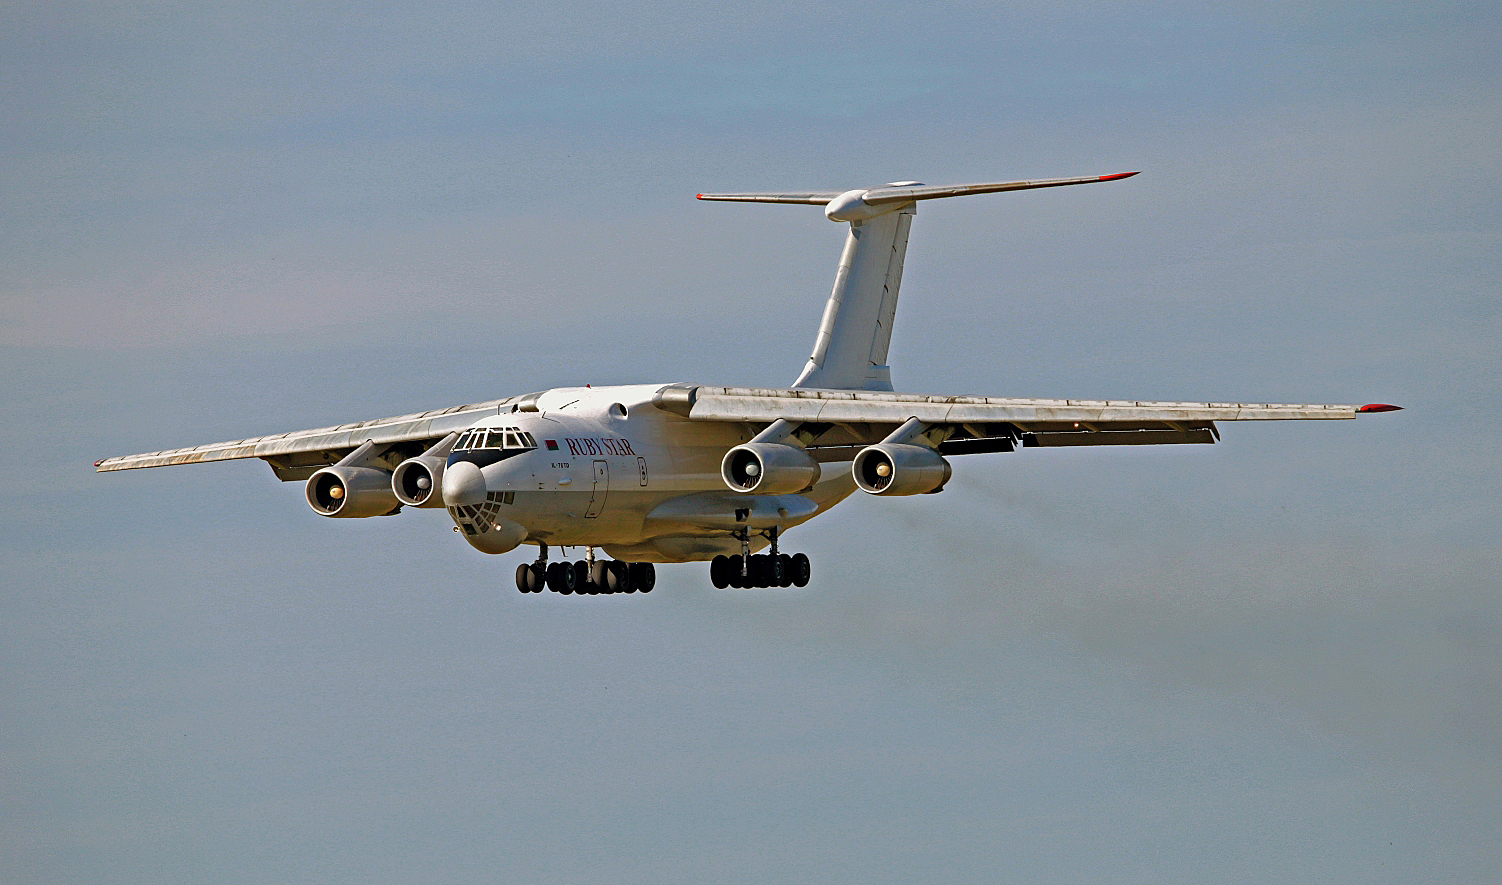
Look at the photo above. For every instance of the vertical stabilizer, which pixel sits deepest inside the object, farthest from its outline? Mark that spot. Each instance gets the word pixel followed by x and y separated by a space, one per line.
pixel 850 352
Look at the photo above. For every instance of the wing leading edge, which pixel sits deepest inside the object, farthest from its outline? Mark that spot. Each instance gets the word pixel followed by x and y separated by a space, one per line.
pixel 298 454
pixel 985 424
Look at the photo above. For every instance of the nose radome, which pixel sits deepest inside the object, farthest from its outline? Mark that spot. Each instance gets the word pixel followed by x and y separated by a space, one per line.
pixel 463 483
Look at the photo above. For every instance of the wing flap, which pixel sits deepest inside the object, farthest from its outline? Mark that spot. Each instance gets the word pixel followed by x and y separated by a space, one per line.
pixel 1200 435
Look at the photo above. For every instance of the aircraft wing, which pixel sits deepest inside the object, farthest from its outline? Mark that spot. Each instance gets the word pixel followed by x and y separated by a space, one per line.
pixel 297 455
pixel 846 418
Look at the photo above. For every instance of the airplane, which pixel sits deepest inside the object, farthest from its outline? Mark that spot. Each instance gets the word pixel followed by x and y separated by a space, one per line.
pixel 679 472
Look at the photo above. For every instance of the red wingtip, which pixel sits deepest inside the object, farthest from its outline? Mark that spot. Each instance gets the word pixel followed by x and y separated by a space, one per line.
pixel 100 461
pixel 698 196
pixel 1379 407
pixel 1117 176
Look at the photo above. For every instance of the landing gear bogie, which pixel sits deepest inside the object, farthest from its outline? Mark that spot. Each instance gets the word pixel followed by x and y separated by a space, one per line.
pixel 760 570
pixel 587 578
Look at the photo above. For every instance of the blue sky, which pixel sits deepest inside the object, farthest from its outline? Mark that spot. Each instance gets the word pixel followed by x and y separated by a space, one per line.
pixel 1273 658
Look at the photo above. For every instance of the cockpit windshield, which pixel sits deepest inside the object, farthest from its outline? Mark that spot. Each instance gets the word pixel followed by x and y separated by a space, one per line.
pixel 510 439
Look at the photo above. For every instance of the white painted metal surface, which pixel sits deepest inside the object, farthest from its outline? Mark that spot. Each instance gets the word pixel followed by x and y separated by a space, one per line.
pixel 637 469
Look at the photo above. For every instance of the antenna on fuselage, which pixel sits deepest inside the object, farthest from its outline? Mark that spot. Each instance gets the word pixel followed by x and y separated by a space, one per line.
pixel 850 351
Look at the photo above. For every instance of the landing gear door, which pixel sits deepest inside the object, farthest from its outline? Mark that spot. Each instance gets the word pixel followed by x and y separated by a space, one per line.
pixel 599 490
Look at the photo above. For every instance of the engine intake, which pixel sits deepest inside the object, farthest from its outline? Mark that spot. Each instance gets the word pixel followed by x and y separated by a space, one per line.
pixel 345 491
pixel 900 469
pixel 769 469
pixel 416 481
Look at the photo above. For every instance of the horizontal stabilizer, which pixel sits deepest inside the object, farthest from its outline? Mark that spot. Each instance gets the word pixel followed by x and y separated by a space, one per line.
pixel 907 193
pixel 811 198
pixel 903 194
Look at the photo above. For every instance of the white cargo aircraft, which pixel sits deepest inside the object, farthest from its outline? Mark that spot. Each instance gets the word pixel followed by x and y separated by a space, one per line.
pixel 678 472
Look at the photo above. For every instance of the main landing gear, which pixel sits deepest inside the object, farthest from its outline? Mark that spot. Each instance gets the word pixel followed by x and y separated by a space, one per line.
pixel 586 576
pixel 764 570
pixel 760 570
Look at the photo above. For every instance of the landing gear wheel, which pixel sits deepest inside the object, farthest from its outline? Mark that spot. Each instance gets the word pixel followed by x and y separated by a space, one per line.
pixel 617 579
pixel 785 570
pixel 802 569
pixel 777 572
pixel 526 578
pixel 599 576
pixel 582 582
pixel 719 572
pixel 561 578
pixel 643 577
pixel 733 568
pixel 756 571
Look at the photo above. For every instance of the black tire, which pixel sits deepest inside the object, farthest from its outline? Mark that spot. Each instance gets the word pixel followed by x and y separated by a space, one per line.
pixel 756 574
pixel 582 582
pixel 561 578
pixel 617 578
pixel 719 572
pixel 802 570
pixel 599 576
pixel 785 568
pixel 643 577
pixel 733 571
pixel 530 578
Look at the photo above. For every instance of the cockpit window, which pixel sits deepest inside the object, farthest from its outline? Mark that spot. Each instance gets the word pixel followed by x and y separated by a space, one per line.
pixel 509 439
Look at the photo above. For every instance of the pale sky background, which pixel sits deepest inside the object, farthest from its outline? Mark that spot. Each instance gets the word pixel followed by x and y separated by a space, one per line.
pixel 1274 659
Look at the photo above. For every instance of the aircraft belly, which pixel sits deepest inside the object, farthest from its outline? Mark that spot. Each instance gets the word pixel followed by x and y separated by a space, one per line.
pixel 663 502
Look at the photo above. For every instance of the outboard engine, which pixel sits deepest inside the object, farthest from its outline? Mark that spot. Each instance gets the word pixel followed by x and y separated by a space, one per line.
pixel 900 469
pixel 354 487
pixel 351 492
pixel 769 469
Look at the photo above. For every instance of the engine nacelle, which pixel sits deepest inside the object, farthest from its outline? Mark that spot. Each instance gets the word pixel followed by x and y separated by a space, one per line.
pixel 417 481
pixel 769 469
pixel 900 469
pixel 351 492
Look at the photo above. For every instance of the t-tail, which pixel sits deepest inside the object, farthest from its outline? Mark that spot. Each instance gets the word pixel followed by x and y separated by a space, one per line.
pixel 850 352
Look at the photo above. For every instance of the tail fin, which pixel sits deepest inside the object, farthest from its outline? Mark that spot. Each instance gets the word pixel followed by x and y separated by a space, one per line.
pixel 850 352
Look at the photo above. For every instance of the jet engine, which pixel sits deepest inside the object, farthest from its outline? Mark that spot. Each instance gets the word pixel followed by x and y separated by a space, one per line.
pixel 416 481
pixel 348 491
pixel 900 469
pixel 769 469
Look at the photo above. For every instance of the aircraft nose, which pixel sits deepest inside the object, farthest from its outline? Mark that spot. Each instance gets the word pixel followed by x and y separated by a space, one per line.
pixel 463 484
